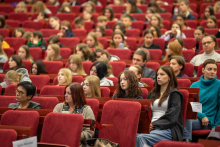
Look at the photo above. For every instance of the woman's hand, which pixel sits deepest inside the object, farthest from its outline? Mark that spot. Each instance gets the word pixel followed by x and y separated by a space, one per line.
pixel 205 121
pixel 178 32
pixel 60 34
pixel 151 127
pixel 167 32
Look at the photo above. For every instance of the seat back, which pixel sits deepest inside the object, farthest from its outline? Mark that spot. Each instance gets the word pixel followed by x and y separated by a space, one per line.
pixel 53 67
pixel 36 53
pixel 6 100
pixel 131 42
pixel 18 16
pixel 189 32
pixel 190 45
pixel 123 54
pixel 4 32
pixel 46 102
pixel 49 32
pixel 56 131
pixel 78 79
pixel 144 93
pixel 65 53
pixel 94 104
pixel 114 79
pixel 10 89
pixel 40 80
pixel 211 31
pixel 155 54
pixel 117 67
pixel 184 83
pixel 152 65
pixel 33 24
pixel 188 54
pixel 79 33
pixel 133 32
pixel 9 51
pixel 52 90
pixel 118 113
pixel 15 42
pixel 184 104
pixel 13 23
pixel 165 143
pixel 138 25
pixel 148 81
pixel 7 136
pixel 70 42
pixel 21 118
pixel 66 16
pixel 105 91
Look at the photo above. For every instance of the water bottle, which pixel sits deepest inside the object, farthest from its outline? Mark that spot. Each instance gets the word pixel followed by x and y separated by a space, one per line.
pixel 121 45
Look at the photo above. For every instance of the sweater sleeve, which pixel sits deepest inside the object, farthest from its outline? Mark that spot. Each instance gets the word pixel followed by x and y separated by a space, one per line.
pixel 166 38
pixel 58 108
pixel 69 33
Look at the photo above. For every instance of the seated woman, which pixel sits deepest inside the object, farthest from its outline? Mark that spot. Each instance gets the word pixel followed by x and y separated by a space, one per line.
pixel 137 69
pixel 208 12
pixel 41 17
pixel 130 7
pixel 20 8
pixel 92 41
pixel 128 86
pixel 117 38
pixel 181 19
pixel 90 6
pixel 109 67
pixel 53 52
pixel 217 7
pixel 19 32
pixel 38 68
pixel 15 77
pixel 178 65
pixel 65 8
pixel 75 103
pixel 109 13
pixel 148 14
pixel 99 31
pixel 166 100
pixel 24 53
pixel 212 22
pixel 97 53
pixel 156 31
pixel 24 93
pixel 65 30
pixel 99 69
pixel 53 2
pixel 91 86
pixel 64 76
pixel 176 31
pixel 38 7
pixel 156 20
pixel 83 50
pixel 119 26
pixel 75 65
pixel 15 62
pixel 156 7
pixel 87 16
pixel 148 40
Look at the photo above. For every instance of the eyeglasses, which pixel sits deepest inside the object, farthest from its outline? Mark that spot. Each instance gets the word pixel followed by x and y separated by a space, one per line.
pixel 208 43
pixel 19 92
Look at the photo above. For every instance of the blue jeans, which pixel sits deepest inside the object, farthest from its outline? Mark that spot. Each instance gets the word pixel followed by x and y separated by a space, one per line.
pixel 193 124
pixel 145 140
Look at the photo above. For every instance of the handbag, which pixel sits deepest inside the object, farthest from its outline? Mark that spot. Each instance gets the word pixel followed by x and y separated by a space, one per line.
pixel 100 142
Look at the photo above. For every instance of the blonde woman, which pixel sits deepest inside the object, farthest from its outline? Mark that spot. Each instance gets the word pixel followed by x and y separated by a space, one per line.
pixel 38 7
pixel 109 67
pixel 24 53
pixel 83 50
pixel 137 69
pixel 75 65
pixel 20 8
pixel 92 41
pixel 53 52
pixel 91 86
pixel 64 76
pixel 156 20
pixel 217 7
pixel 65 8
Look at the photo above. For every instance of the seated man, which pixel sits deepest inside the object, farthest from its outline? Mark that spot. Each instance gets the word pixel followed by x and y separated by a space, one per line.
pixel 102 21
pixel 24 93
pixel 126 20
pixel 79 23
pixel 184 9
pixel 37 40
pixel 54 39
pixel 140 58
pixel 209 96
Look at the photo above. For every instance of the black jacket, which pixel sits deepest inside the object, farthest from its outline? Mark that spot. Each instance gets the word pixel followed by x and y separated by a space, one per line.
pixel 138 97
pixel 32 105
pixel 173 117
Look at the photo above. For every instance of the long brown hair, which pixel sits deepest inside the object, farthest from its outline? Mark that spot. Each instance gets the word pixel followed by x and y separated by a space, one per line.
pixel 175 49
pixel 155 92
pixel 112 43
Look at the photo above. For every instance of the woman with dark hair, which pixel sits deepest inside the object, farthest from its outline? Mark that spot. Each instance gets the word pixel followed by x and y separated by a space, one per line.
pixel 65 30
pixel 109 13
pixel 2 22
pixel 119 26
pixel 156 20
pixel 137 69
pixel 99 31
pixel 65 8
pixel 131 7
pixel 15 62
pixel 100 70
pixel 117 38
pixel 128 86
pixel 156 31
pixel 181 19
pixel 24 53
pixel 208 12
pixel 83 50
pixel 148 40
pixel 178 65
pixel 199 33
pixel 156 7
pixel 97 53
pixel 166 102
pixel 212 22
pixel 148 14
pixel 39 68
pixel 75 103
pixel 19 32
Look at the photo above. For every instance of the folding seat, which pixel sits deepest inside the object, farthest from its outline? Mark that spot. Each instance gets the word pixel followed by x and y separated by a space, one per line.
pixel 108 32
pixel 192 24
pixel 148 81
pixel 131 42
pixel 13 23
pixel 46 102
pixel 0 89
pixel 29 7
pixel 118 15
pixel 133 33
pixel 94 104
pixel 79 33
pixel 52 90
pixel 114 79
pixel 184 83
pixel 49 32
pixel 118 8
pixel 27 65
pixel 22 119
pixel 188 32
pixel 193 7
pixel 169 7
pixel 33 25
pixel 188 70
pixel 211 31
pixel 98 9
pixel 111 24
pixel 188 54
pixel 6 100
pixel 117 113
pixel 70 42
pixel 34 16
pixel 203 6
pixel 6 8
pixel 155 54
pixel 53 9
pixel 184 103
pixel 138 25
pixel 166 16
pixel 14 42
pixel 195 14
pixel 138 16
pixel 203 23
pixel 10 89
pixel 78 79
pixel 144 93
pixel 117 67
pixel 105 91
pixel 88 25
pixel 76 9
pixel 123 54
pixel 55 131
pixel 4 32
pixel 217 15
pixel 53 67
pixel 65 53
pixel 166 24
pixel 7 136
pixel 143 8
pixel 40 81
pixel 30 30
pixel 190 45
pixel 36 53
pixel 18 16
pixel 165 143
pixel 9 51
pixel 66 16
pixel 152 65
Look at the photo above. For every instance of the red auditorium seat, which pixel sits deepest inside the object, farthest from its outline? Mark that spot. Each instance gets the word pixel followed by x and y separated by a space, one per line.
pixel 192 24
pixel 123 54
pixel 53 67
pixel 22 119
pixel 34 16
pixel 188 54
pixel 195 14
pixel 94 104
pixel 158 41
pixel 40 81
pixel 65 53
pixel 30 30
pixel 114 79
pixel 133 33
pixel 14 42
pixel 88 26
pixel 138 25
pixel 165 143
pixel 143 7
pixel 49 32
pixel 184 104
pixel 155 54
pixel 29 7
pixel 118 15
pixel 148 81
pixel 13 23
pixel 52 90
pixel 166 24
pixel 190 45
pixel 118 8
pixel 188 32
pixel 153 65
pixel 53 127
pixel 76 9
pixel 105 91
pixel 9 51
pixel 131 42
pixel 27 64
pixel 6 8
pixel 217 15
pixel 33 25
pixel 144 93
pixel 193 7
pixel 98 9
pixel 4 32
pixel 211 31
pixel 66 16
pixel 203 6
pixel 36 53
pixel 184 83
pixel 46 102
pixel 7 136
pixel 78 79
pixel 0 89
pixel 128 129
pixel 166 16
pixel 168 7
pixel 79 33
pixel 138 16
pixel 199 71
pixel 117 67
pixel 18 16
pixel 111 24
pixel 11 1
pixel 6 100
pixel 10 89
pixel 70 42
pixel 53 9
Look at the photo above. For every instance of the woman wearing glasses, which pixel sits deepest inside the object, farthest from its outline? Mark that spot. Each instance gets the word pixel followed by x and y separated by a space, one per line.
pixel 24 93
pixel 65 30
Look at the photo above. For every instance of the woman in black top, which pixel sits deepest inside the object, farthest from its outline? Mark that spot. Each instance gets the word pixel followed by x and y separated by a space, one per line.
pixel 148 40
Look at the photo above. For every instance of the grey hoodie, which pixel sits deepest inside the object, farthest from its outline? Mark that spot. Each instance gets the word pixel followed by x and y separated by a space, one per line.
pixel 3 59
pixel 24 77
